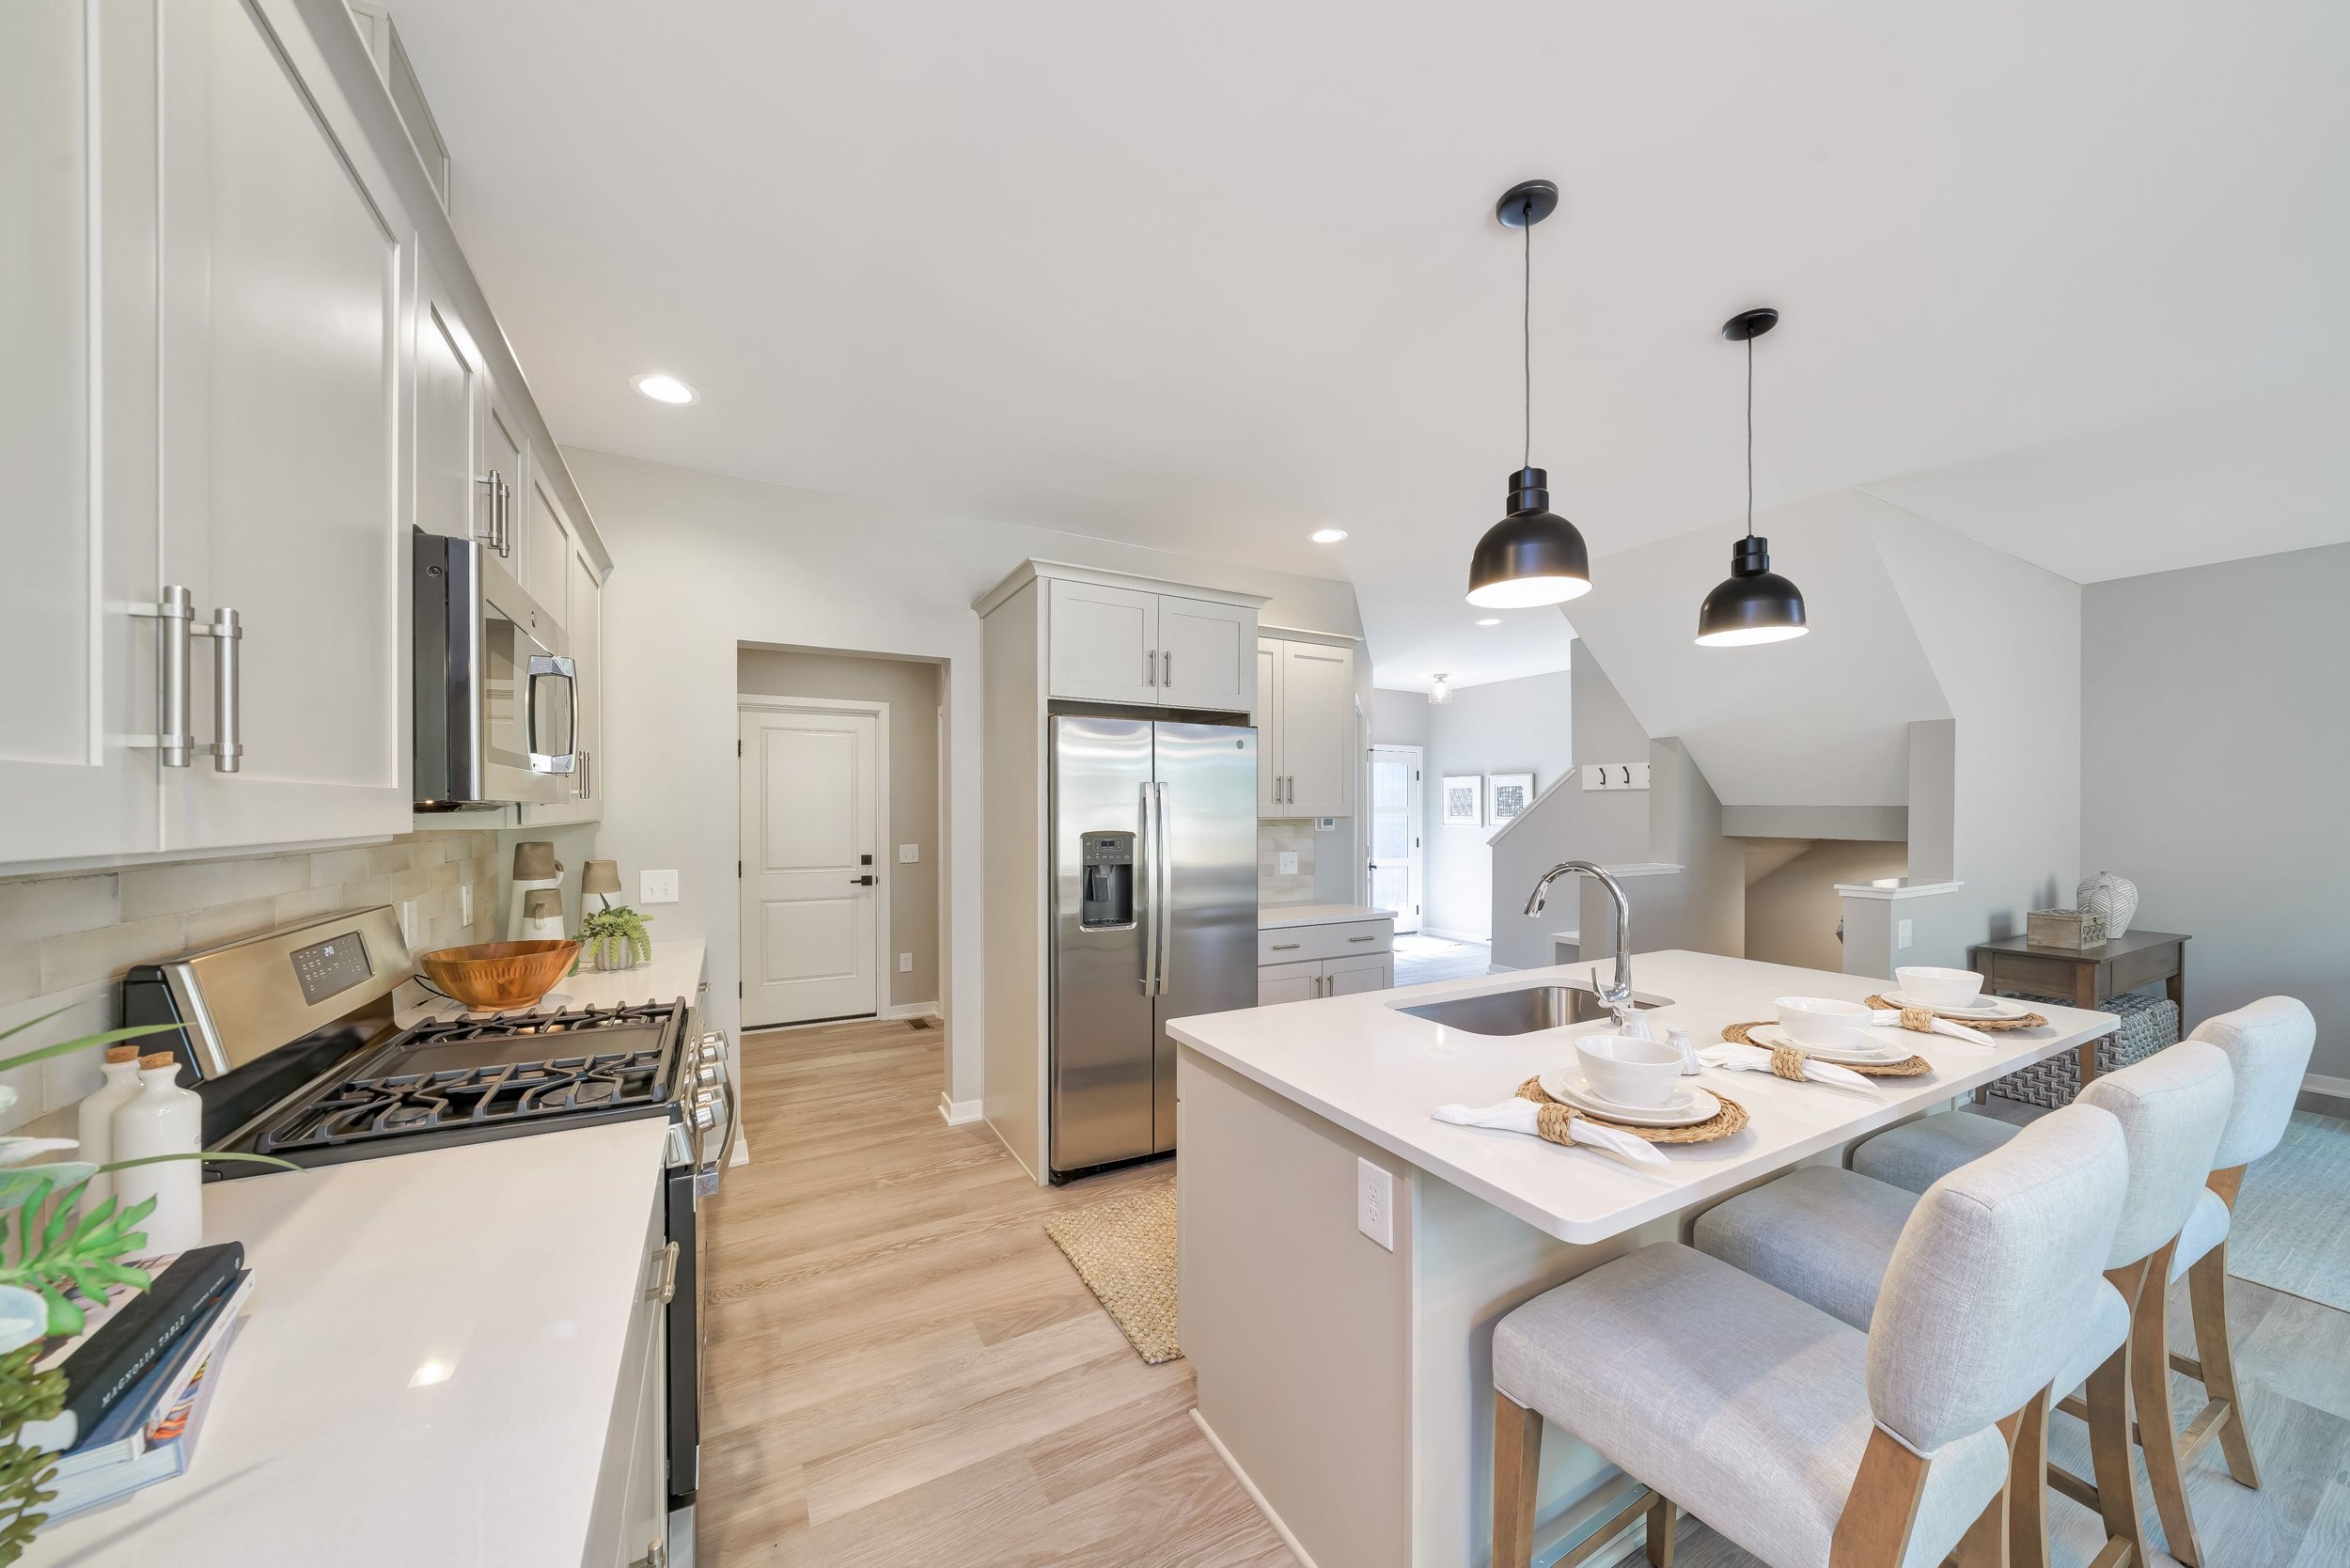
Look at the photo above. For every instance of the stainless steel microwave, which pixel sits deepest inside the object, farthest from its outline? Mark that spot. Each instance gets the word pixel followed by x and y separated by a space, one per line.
pixel 496 695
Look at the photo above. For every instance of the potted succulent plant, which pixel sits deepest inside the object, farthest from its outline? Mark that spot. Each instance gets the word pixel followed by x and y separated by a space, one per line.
pixel 53 1256
pixel 615 937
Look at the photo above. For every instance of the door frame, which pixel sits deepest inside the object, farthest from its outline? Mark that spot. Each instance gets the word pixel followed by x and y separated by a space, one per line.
pixel 1416 862
pixel 884 961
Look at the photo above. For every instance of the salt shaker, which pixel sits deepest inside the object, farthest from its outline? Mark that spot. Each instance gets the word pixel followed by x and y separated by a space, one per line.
pixel 1677 1038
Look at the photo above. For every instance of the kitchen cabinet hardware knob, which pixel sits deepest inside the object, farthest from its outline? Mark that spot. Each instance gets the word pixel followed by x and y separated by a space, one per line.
pixel 656 1556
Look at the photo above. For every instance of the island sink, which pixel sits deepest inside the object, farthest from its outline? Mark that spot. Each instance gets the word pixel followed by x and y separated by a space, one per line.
pixel 1525 1010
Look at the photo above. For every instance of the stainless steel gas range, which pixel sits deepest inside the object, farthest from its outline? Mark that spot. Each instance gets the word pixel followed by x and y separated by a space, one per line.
pixel 290 1040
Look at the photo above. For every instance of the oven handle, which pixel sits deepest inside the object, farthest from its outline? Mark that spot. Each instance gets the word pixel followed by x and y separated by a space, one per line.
pixel 723 1100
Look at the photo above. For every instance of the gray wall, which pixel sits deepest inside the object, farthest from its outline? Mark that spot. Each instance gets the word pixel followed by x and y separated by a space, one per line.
pixel 1791 910
pixel 2215 747
pixel 912 689
pixel 1521 726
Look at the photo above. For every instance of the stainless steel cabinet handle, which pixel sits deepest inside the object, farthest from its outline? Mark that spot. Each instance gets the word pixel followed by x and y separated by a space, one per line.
pixel 172 613
pixel 585 760
pixel 1167 667
pixel 1284 947
pixel 1150 667
pixel 1362 939
pixel 226 630
pixel 493 484
pixel 664 1288
pixel 656 1556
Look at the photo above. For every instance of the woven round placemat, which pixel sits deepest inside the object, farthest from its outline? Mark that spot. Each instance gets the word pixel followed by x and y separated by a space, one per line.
pixel 1557 1113
pixel 2029 1021
pixel 1908 1067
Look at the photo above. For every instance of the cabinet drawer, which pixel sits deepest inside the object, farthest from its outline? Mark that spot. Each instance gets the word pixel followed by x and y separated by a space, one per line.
pixel 1295 944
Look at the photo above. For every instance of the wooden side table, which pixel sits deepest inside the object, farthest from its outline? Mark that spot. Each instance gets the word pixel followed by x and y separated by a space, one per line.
pixel 2088 975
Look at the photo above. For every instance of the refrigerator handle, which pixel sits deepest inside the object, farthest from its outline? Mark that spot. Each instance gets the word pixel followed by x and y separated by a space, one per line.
pixel 1162 896
pixel 1147 889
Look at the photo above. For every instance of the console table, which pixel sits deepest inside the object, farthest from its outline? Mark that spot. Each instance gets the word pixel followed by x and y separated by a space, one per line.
pixel 2086 976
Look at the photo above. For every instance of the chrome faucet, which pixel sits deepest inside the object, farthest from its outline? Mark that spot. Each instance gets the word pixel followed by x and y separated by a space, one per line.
pixel 1617 995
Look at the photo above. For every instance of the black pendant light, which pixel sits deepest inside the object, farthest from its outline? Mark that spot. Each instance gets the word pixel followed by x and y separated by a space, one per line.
pixel 1756 604
pixel 1532 555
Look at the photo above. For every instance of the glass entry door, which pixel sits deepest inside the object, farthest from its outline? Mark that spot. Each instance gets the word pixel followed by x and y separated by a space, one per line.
pixel 1395 833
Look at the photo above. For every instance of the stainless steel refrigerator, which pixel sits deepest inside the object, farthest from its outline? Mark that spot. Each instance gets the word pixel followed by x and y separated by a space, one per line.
pixel 1154 916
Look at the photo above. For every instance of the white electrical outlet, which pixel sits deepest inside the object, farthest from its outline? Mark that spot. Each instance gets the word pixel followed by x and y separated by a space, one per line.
pixel 656 887
pixel 465 903
pixel 909 854
pixel 1374 1203
pixel 905 964
pixel 1900 933
pixel 411 922
pixel 1288 863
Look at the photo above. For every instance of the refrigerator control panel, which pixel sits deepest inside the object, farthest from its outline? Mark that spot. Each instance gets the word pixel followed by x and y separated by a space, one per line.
pixel 1107 902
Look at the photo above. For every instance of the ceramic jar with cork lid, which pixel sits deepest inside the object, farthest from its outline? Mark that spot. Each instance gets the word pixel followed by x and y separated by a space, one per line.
pixel 94 1119
pixel 162 1119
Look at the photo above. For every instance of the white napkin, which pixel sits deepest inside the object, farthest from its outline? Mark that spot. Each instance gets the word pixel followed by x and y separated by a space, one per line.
pixel 1890 1018
pixel 1515 1115
pixel 1754 1059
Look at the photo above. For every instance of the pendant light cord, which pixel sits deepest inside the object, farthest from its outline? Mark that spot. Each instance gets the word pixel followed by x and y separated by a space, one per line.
pixel 1750 437
pixel 1526 334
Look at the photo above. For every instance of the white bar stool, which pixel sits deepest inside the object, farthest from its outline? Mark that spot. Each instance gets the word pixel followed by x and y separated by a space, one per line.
pixel 1800 1438
pixel 1828 1235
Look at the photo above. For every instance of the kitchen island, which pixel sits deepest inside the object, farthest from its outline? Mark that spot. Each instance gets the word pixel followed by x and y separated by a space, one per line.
pixel 1348 1382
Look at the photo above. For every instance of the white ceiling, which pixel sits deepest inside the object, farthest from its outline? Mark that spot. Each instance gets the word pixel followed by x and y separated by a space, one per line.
pixel 2069 279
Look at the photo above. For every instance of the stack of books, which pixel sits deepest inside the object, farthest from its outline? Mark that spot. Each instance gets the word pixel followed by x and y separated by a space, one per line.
pixel 139 1377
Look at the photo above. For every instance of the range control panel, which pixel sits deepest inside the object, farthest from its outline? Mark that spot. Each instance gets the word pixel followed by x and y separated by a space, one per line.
pixel 331 967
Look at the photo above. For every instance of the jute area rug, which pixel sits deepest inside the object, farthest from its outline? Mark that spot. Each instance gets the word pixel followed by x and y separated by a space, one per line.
pixel 1124 1250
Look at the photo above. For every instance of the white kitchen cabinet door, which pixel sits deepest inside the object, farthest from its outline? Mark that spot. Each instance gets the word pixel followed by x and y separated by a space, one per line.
pixel 450 391
pixel 1288 983
pixel 629 1510
pixel 1205 650
pixel 1271 783
pixel 1103 643
pixel 76 432
pixel 1317 718
pixel 498 498
pixel 547 548
pixel 1351 977
pixel 286 279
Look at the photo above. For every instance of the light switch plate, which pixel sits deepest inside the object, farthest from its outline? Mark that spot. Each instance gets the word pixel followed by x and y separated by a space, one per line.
pixel 1288 863
pixel 465 903
pixel 1374 1203
pixel 656 887
pixel 411 922
pixel 909 854
pixel 905 964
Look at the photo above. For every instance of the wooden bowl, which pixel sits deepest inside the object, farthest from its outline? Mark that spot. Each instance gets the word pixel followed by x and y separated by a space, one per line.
pixel 498 976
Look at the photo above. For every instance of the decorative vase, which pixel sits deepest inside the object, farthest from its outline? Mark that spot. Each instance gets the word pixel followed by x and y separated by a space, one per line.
pixel 2113 897
pixel 162 1119
pixel 613 952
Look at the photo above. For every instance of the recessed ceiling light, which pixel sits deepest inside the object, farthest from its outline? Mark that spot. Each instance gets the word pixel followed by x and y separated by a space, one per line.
pixel 1327 536
pixel 1490 621
pixel 666 389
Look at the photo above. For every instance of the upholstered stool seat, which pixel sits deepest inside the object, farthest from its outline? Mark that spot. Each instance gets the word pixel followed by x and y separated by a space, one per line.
pixel 1919 1154
pixel 1744 1406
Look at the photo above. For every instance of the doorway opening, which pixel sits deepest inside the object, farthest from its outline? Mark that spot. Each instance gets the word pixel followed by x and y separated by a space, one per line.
pixel 1394 861
pixel 839 846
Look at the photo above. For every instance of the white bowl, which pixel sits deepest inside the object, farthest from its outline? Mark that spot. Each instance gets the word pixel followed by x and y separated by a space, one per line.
pixel 1822 1020
pixel 1940 987
pixel 1638 1073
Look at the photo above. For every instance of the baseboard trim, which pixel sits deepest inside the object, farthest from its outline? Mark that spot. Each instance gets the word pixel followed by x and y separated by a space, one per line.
pixel 2333 1093
pixel 957 1113
pixel 912 1010
pixel 1250 1487
pixel 1443 934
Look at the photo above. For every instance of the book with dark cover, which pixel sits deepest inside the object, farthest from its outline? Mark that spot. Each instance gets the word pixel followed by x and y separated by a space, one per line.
pixel 121 1433
pixel 124 1335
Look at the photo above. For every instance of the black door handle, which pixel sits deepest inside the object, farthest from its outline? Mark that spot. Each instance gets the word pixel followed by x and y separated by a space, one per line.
pixel 861 882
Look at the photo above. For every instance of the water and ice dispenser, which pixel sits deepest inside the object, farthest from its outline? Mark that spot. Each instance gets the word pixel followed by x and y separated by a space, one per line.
pixel 1108 899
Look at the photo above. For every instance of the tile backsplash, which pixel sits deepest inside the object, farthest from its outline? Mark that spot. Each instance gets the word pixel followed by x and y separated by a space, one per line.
pixel 1273 839
pixel 66 938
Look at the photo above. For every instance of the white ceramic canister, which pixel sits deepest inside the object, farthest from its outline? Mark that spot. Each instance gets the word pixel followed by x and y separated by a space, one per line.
pixel 94 1119
pixel 162 1118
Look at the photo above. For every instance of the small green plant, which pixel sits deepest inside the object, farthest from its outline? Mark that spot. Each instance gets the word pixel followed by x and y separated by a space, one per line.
pixel 616 932
pixel 53 1254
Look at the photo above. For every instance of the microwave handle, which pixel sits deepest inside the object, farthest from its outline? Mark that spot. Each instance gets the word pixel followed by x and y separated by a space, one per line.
pixel 560 666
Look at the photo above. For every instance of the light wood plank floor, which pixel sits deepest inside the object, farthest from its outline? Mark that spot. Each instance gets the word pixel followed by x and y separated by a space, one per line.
pixel 903 1370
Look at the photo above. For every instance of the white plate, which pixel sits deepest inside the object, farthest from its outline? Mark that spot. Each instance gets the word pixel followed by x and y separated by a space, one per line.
pixel 1866 1052
pixel 1690 1107
pixel 1993 1008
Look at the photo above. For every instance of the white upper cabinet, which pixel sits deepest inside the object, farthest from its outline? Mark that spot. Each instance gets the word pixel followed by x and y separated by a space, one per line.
pixel 1206 654
pixel 545 571
pixel 1111 643
pixel 288 276
pixel 1306 728
pixel 498 497
pixel 451 394
pixel 78 500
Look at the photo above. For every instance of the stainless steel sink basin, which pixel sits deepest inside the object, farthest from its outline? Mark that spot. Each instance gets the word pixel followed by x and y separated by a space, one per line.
pixel 1523 1010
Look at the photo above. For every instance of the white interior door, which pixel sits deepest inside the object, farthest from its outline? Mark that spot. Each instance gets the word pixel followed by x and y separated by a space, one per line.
pixel 811 788
pixel 1395 833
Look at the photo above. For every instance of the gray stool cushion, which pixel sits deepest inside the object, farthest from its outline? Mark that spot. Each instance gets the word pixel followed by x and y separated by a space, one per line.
pixel 1746 1406
pixel 1821 1234
pixel 1919 1154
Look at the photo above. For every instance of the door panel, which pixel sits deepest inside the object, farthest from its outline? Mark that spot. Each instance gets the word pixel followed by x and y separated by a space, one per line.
pixel 448 420
pixel 1208 773
pixel 1103 643
pixel 76 317
pixel 498 499
pixel 1100 1017
pixel 1204 651
pixel 1317 700
pixel 1350 976
pixel 810 925
pixel 287 286
pixel 1395 833
pixel 547 554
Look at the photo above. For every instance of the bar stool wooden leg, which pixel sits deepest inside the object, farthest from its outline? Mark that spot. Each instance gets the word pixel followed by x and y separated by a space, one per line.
pixel 2109 1458
pixel 2207 1294
pixel 2158 1437
pixel 1517 1470
pixel 2028 1484
pixel 1662 1520
pixel 1873 1530
pixel 1985 1544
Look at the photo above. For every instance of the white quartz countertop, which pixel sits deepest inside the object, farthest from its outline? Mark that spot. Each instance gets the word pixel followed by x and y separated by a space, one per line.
pixel 427 1367
pixel 1275 916
pixel 674 970
pixel 1379 1073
